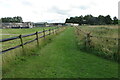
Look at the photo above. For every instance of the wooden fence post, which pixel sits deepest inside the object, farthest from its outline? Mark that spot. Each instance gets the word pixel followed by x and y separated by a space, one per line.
pixel 56 30
pixel 37 38
pixel 21 41
pixel 49 31
pixel 53 31
pixel 85 42
pixel 88 40
pixel 77 32
pixel 44 33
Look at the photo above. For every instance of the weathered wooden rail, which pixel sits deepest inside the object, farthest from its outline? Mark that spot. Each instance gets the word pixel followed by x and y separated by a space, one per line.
pixel 44 32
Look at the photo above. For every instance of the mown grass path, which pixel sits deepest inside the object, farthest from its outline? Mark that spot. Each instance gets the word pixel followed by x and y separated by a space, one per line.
pixel 62 59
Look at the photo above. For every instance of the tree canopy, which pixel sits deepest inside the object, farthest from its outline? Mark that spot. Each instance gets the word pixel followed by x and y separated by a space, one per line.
pixel 91 20
pixel 17 19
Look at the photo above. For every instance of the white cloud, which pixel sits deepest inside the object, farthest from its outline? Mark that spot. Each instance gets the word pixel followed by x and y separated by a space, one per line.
pixel 56 10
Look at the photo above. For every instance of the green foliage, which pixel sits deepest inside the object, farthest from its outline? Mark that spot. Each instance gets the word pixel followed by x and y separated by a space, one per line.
pixel 115 20
pixel 108 20
pixel 17 19
pixel 91 20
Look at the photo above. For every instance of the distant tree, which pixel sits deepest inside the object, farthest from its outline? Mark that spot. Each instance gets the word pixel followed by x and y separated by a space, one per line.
pixel 115 20
pixel 108 19
pixel 101 20
pixel 80 20
pixel 87 19
pixel 91 20
pixel 72 20
pixel 17 19
pixel 67 20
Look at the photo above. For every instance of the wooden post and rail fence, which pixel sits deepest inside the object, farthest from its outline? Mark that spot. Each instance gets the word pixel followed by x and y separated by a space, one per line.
pixel 89 40
pixel 88 37
pixel 44 34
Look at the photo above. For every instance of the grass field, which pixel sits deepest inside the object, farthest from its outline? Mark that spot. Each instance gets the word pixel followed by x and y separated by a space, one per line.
pixel 17 32
pixel 62 58
pixel 104 30
pixel 103 45
pixel 7 33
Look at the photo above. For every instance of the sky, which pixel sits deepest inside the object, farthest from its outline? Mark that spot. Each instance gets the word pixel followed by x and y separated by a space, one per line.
pixel 56 11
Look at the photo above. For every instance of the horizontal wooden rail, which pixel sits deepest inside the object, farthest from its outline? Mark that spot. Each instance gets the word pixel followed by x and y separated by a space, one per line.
pixel 28 35
pixel 8 39
pixel 22 36
pixel 10 49
pixel 105 37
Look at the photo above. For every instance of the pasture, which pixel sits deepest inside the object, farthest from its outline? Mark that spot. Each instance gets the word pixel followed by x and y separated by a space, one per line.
pixel 63 55
pixel 103 30
pixel 6 33
pixel 61 58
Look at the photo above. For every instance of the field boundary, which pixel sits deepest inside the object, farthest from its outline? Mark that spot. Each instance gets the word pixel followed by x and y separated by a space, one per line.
pixel 111 52
pixel 44 32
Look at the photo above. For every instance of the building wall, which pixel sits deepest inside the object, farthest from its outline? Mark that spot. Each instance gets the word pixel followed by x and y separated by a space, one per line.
pixel 18 25
pixel 72 24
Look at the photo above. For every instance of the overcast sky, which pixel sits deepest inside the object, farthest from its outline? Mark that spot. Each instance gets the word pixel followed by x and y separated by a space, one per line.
pixel 56 10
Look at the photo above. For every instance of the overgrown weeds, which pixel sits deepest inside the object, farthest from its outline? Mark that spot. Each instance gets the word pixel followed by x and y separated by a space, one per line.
pixel 99 44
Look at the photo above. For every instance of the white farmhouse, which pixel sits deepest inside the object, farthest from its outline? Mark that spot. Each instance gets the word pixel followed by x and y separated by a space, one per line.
pixel 72 24
pixel 18 25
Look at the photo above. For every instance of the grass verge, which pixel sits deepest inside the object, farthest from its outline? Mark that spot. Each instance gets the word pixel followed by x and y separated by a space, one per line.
pixel 30 49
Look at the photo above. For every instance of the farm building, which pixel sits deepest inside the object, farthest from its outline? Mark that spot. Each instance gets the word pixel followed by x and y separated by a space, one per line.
pixel 18 25
pixel 41 24
pixel 72 24
pixel 57 24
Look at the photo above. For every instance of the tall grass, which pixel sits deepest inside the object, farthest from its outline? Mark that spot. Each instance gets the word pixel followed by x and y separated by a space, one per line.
pixel 102 43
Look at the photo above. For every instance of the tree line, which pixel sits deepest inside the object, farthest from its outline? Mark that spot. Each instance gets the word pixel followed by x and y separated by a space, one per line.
pixel 91 20
pixel 16 19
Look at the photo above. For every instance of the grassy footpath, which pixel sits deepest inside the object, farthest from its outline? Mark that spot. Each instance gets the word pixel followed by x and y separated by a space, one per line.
pixel 62 59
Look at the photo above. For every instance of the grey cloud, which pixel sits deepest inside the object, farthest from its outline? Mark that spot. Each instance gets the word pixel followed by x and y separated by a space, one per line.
pixel 27 3
pixel 35 12
pixel 59 11
pixel 83 7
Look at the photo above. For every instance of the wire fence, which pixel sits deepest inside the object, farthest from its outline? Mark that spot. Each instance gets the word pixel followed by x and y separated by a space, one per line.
pixel 44 33
pixel 106 47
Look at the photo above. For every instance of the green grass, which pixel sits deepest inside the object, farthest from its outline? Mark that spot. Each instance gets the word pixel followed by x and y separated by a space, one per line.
pixel 118 21
pixel 17 32
pixel 105 47
pixel 62 59
pixel 104 30
pixel 29 49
